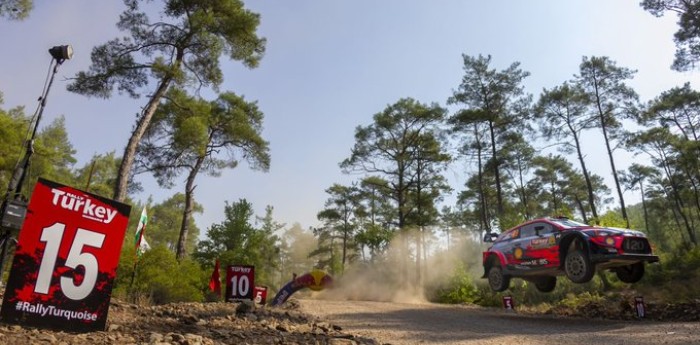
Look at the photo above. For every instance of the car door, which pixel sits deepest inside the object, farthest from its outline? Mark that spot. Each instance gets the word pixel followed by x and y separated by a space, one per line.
pixel 522 256
pixel 543 246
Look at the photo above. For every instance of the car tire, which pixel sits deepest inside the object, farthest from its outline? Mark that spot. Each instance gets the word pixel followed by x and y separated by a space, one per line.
pixel 577 267
pixel 546 284
pixel 497 280
pixel 631 273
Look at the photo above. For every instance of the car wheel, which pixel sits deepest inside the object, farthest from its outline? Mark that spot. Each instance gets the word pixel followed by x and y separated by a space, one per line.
pixel 577 267
pixel 546 284
pixel 630 274
pixel 497 280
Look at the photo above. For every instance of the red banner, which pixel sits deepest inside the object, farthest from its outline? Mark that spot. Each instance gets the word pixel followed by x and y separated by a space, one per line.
pixel 508 303
pixel 66 259
pixel 215 281
pixel 639 307
pixel 240 282
pixel 261 295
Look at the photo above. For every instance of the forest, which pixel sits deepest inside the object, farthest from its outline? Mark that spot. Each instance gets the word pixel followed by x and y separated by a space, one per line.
pixel 392 221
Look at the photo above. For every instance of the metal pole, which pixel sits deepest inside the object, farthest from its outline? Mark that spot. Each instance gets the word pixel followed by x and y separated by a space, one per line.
pixel 14 189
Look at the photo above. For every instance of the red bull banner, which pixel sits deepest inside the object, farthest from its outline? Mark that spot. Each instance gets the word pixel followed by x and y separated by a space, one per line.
pixel 315 280
pixel 65 260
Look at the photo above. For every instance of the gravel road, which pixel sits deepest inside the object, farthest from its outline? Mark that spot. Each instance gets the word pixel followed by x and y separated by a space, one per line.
pixel 426 323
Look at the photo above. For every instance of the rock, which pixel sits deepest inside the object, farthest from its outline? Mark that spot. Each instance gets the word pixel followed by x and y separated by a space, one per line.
pixel 176 337
pixel 245 307
pixel 193 339
pixel 155 337
pixel 340 341
pixel 50 338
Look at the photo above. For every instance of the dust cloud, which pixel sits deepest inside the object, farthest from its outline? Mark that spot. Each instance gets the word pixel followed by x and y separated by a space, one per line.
pixel 394 276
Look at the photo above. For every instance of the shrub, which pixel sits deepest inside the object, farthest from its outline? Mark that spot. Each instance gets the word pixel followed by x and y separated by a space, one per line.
pixel 575 301
pixel 162 279
pixel 458 289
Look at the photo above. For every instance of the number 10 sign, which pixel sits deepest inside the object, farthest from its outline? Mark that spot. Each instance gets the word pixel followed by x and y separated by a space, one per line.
pixel 240 282
pixel 66 259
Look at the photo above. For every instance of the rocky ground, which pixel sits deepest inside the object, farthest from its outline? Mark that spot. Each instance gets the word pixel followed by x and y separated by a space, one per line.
pixel 441 324
pixel 623 308
pixel 194 324
pixel 246 323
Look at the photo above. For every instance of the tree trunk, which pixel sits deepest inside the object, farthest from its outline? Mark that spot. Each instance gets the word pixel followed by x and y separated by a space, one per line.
pixel 496 170
pixel 589 185
pixel 678 201
pixel 482 197
pixel 644 207
pixel 582 209
pixel 122 182
pixel 346 231
pixel 603 127
pixel 419 242
pixel 403 275
pixel 614 173
pixel 674 211
pixel 523 194
pixel 681 206
pixel 695 188
pixel 692 127
pixel 555 204
pixel 419 255
pixel 187 214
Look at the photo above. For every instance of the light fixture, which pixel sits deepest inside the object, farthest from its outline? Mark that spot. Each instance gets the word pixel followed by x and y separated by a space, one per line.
pixel 13 209
pixel 61 53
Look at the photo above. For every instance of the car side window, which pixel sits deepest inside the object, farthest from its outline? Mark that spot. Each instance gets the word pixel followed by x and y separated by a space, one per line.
pixel 509 235
pixel 546 228
pixel 528 230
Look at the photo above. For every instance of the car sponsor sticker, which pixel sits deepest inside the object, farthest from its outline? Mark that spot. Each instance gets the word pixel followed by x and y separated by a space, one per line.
pixel 535 262
pixel 543 242
pixel 518 253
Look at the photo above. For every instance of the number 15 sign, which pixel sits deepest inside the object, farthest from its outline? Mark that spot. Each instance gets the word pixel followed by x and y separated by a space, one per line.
pixel 66 259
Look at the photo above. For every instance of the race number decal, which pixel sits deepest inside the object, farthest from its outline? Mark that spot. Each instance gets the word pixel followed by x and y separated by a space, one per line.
pixel 66 259
pixel 261 295
pixel 240 282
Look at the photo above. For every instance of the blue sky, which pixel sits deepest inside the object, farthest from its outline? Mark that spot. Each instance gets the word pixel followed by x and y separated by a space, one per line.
pixel 331 65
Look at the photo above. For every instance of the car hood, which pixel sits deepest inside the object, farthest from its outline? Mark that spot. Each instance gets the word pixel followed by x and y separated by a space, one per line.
pixel 609 231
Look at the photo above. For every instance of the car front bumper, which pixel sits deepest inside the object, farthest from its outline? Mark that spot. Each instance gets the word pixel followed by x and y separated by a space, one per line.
pixel 623 258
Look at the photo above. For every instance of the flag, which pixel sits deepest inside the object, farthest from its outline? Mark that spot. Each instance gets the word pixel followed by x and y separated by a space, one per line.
pixel 138 236
pixel 144 246
pixel 215 281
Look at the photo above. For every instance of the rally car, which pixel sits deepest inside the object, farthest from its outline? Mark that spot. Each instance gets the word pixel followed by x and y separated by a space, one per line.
pixel 542 249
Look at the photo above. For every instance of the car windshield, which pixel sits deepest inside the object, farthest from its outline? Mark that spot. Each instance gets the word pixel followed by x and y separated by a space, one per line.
pixel 568 223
